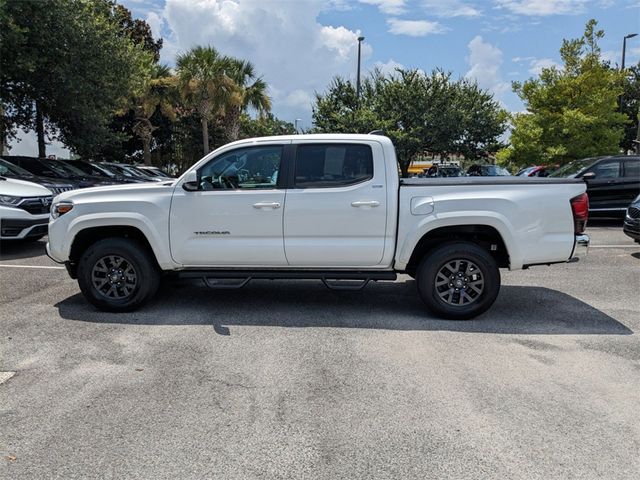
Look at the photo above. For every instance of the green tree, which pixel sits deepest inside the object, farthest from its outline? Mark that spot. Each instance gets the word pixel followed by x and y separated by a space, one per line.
pixel 65 66
pixel 156 92
pixel 421 113
pixel 264 126
pixel 630 106
pixel 572 112
pixel 249 92
pixel 204 85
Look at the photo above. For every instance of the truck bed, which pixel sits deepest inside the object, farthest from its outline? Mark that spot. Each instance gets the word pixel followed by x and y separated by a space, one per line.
pixel 448 181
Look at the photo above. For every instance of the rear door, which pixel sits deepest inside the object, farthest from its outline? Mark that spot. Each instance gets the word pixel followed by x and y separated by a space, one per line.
pixel 336 208
pixel 606 189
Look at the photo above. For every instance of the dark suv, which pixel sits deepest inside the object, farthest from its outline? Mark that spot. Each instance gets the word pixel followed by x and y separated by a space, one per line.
pixel 612 182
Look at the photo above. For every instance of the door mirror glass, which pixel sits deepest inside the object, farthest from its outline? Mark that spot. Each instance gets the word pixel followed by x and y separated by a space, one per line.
pixel 589 176
pixel 190 181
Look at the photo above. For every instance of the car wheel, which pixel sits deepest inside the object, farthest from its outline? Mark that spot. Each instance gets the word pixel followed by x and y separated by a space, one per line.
pixel 117 275
pixel 458 280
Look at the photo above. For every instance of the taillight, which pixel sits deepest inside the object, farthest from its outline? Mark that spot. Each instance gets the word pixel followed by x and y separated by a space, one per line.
pixel 580 209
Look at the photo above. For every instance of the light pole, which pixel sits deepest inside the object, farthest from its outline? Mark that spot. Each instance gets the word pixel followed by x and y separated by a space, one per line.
pixel 360 39
pixel 624 47
pixel 296 123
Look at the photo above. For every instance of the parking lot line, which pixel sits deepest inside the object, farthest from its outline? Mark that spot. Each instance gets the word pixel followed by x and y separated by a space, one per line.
pixel 614 246
pixel 31 266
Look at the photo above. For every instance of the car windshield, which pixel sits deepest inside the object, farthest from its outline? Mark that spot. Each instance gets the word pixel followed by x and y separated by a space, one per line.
pixel 62 169
pixel 573 169
pixel 494 170
pixel 86 168
pixel 525 171
pixel 10 168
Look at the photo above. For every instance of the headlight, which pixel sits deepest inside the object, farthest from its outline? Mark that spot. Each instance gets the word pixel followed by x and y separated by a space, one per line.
pixel 60 208
pixel 9 200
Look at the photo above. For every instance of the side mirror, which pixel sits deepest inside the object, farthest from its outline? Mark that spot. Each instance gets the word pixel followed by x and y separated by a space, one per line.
pixel 190 183
pixel 589 176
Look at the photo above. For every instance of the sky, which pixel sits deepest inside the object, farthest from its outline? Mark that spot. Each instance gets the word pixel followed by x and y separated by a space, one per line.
pixel 298 46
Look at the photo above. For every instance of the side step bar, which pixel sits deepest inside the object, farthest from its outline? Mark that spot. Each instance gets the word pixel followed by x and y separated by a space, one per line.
pixel 335 280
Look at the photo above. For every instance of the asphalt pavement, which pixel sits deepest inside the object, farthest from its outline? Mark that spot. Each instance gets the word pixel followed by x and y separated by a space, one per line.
pixel 291 380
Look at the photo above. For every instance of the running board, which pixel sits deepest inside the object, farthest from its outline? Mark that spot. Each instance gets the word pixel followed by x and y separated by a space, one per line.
pixel 335 280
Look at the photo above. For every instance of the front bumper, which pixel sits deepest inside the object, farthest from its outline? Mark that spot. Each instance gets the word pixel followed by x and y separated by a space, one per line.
pixel 19 228
pixel 580 247
pixel 632 228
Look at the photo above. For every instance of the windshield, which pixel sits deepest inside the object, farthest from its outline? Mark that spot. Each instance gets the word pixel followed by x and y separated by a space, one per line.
pixel 525 171
pixel 63 169
pixel 86 168
pixel 573 169
pixel 495 171
pixel 10 168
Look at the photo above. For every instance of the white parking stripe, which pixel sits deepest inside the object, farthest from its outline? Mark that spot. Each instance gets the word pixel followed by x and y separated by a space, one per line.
pixel 614 246
pixel 31 266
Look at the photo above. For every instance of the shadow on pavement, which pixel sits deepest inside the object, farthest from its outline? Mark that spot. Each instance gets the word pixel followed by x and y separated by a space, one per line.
pixel 518 310
pixel 17 250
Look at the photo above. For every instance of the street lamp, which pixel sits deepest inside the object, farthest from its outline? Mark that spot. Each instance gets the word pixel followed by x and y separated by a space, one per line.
pixel 624 47
pixel 296 123
pixel 360 39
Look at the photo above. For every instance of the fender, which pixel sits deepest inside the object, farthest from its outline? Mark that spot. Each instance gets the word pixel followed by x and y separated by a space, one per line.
pixel 159 245
pixel 453 219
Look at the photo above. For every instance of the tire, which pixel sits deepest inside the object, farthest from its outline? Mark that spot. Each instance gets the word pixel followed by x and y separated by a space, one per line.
pixel 118 275
pixel 476 278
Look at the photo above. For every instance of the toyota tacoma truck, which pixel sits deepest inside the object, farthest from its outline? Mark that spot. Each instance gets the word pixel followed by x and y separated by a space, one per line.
pixel 330 207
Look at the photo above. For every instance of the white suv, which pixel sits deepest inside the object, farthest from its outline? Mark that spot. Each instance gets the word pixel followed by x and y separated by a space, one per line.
pixel 24 210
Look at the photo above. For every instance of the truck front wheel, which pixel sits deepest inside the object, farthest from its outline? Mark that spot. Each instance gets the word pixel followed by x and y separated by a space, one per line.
pixel 117 275
pixel 458 280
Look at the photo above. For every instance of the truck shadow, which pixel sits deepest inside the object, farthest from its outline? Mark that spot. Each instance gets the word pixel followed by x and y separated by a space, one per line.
pixel 518 310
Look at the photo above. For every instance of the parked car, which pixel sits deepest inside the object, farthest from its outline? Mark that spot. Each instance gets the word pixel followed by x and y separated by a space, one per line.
pixel 150 169
pixel 535 171
pixel 479 170
pixel 56 169
pixel 632 220
pixel 129 171
pixel 442 171
pixel 24 210
pixel 9 170
pixel 97 170
pixel 612 182
pixel 340 212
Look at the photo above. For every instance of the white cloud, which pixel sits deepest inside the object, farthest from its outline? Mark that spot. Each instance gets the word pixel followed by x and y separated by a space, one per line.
pixel 295 54
pixel 387 68
pixel 543 8
pixel 414 28
pixel 451 8
pixel 536 64
pixel 391 7
pixel 484 62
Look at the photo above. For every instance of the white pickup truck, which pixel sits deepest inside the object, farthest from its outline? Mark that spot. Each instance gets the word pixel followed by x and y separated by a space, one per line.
pixel 329 207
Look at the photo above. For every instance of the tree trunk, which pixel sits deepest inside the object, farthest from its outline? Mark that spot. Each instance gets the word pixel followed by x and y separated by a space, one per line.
pixel 205 135
pixel 146 150
pixel 42 147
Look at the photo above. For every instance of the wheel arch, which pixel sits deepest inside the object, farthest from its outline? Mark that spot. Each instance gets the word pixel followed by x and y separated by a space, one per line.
pixel 485 236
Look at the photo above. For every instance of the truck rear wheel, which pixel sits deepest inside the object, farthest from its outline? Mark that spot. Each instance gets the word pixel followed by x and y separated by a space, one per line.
pixel 117 275
pixel 458 280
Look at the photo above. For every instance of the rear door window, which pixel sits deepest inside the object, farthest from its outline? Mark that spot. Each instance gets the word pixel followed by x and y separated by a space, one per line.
pixel 332 165
pixel 632 168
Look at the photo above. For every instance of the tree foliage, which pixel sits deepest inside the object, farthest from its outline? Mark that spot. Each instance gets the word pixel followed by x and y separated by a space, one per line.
pixel 630 106
pixel 571 111
pixel 65 64
pixel 421 113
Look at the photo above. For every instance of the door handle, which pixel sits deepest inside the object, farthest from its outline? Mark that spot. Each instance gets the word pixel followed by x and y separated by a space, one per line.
pixel 266 205
pixel 361 203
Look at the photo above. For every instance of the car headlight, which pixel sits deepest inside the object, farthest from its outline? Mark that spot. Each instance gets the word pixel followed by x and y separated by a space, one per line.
pixel 60 208
pixel 9 200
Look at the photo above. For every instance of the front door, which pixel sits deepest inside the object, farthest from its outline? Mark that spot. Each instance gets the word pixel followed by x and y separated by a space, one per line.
pixel 336 210
pixel 606 188
pixel 234 219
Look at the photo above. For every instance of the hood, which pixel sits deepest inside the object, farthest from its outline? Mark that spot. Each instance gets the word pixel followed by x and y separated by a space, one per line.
pixel 20 188
pixel 128 190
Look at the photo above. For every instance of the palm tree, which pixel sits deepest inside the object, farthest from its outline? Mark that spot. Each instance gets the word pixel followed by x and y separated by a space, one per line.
pixel 156 92
pixel 204 85
pixel 250 92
